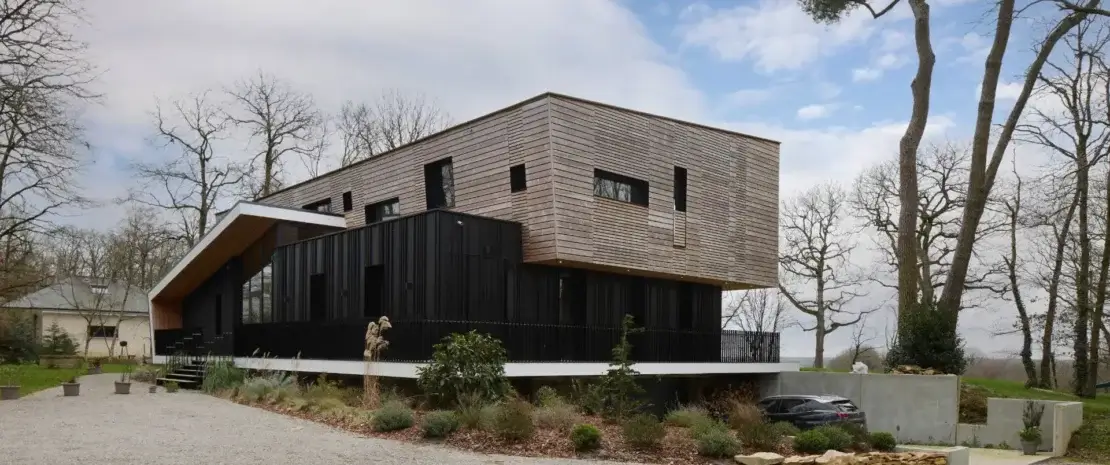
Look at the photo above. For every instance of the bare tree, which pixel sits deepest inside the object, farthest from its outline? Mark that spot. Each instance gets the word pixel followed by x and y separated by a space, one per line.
pixel 190 185
pixel 816 252
pixel 282 121
pixel 1010 261
pixel 1078 82
pixel 862 343
pixel 42 86
pixel 757 311
pixel 395 119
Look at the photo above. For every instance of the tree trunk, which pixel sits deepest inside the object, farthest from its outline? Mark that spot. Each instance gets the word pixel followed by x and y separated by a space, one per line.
pixel 1023 315
pixel 1082 277
pixel 819 352
pixel 1097 325
pixel 921 88
pixel 1048 361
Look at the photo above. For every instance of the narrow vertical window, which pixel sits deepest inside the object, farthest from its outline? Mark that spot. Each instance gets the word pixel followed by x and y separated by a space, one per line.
pixel 317 299
pixel 348 205
pixel 679 189
pixel 517 178
pixel 439 184
pixel 374 289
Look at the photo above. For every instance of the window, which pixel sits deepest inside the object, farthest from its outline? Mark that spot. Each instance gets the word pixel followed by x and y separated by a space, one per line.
pixel 99 289
pixel 374 289
pixel 622 188
pixel 102 331
pixel 347 203
pixel 679 189
pixel 317 299
pixel 384 210
pixel 257 301
pixel 323 206
pixel 518 180
pixel 439 184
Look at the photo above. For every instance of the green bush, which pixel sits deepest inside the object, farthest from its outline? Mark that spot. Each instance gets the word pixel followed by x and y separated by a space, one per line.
pixel 784 428
pixel 857 431
pixel 718 444
pixel 57 341
pixel 546 396
pixel 439 424
pixel 882 441
pixel 222 376
pixel 268 387
pixel 392 416
pixel 837 437
pixel 147 373
pixel 588 396
pixel 558 415
pixel 619 389
pixel 513 420
pixel 643 431
pixel 687 416
pixel 811 442
pixel 927 338
pixel 764 437
pixel 742 415
pixel 171 386
pixel 18 341
pixel 708 425
pixel 469 410
pixel 468 363
pixel 585 438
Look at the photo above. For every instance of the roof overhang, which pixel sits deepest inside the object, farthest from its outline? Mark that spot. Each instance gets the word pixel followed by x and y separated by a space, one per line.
pixel 240 227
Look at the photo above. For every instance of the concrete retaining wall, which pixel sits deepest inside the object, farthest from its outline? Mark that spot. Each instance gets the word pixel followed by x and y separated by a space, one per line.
pixel 914 408
pixel 1004 420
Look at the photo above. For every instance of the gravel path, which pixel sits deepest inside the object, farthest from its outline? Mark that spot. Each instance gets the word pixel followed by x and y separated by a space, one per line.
pixel 190 428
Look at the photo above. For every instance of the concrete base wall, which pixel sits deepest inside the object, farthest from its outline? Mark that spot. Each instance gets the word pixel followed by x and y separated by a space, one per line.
pixel 1004 421
pixel 914 408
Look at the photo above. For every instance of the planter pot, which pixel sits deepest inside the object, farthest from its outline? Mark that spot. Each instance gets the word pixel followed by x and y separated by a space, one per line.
pixel 95 370
pixel 153 389
pixel 123 388
pixel 1029 447
pixel 9 392
pixel 71 389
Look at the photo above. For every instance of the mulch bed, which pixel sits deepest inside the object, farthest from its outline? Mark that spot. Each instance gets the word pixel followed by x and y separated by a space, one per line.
pixel 676 448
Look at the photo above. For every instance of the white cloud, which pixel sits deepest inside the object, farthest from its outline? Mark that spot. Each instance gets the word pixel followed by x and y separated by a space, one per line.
pixel 878 67
pixel 866 74
pixel 827 90
pixel 774 34
pixel 893 40
pixel 815 111
pixel 750 97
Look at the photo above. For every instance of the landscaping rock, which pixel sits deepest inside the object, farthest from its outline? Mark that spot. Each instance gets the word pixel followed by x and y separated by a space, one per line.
pixel 835 457
pixel 801 460
pixel 759 458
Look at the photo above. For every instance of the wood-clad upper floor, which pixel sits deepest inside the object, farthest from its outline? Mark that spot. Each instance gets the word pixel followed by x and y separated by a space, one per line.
pixel 594 186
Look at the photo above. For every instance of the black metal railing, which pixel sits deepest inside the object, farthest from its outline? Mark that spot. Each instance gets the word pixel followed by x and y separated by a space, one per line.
pixel 412 341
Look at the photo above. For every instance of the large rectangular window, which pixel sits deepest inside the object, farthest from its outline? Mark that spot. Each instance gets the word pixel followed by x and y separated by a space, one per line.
pixel 323 206
pixel 257 302
pixel 374 289
pixel 439 184
pixel 679 189
pixel 622 188
pixel 102 331
pixel 384 210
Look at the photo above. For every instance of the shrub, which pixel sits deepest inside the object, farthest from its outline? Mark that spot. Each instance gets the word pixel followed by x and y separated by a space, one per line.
pixel 588 396
pixel 837 437
pixel 687 416
pixel 643 431
pixel 326 405
pixel 857 431
pixel 57 341
pixel 619 388
pixel 222 376
pixel 468 363
pixel 708 425
pixel 392 416
pixel 147 374
pixel 324 388
pixel 811 442
pixel 469 410
pixel 763 437
pixel 546 396
pixel 718 444
pixel 743 415
pixel 927 338
pixel 18 341
pixel 269 387
pixel 882 441
pixel 784 428
pixel 558 415
pixel 973 404
pixel 585 438
pixel 513 420
pixel 439 424
pixel 171 386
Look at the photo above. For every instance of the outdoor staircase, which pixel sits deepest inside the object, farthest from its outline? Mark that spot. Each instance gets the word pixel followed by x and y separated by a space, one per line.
pixel 187 376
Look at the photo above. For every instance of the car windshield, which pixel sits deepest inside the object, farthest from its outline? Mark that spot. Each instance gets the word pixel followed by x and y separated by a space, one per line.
pixel 845 405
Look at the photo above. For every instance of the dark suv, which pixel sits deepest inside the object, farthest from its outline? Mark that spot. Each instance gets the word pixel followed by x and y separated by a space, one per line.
pixel 807 412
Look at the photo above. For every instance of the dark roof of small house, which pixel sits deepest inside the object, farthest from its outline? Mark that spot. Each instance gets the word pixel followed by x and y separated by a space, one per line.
pixel 77 293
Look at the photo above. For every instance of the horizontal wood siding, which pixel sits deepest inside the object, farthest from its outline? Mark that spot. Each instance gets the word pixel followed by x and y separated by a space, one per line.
pixel 730 226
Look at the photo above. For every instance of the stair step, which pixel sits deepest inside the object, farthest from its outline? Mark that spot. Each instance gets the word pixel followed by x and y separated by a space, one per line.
pixel 180 381
pixel 186 375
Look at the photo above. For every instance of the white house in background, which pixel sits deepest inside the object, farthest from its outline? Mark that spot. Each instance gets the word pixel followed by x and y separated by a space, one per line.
pixel 92 311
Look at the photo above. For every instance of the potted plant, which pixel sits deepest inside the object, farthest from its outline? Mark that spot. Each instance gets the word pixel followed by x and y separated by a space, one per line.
pixel 10 376
pixel 96 368
pixel 71 388
pixel 1031 434
pixel 123 386
pixel 153 388
pixel 171 386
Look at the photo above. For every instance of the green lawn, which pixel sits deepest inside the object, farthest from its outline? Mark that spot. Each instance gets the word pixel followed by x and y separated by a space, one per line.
pixel 36 378
pixel 1091 442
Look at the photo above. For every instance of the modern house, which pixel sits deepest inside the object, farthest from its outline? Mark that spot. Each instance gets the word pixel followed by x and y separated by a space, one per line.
pixel 93 311
pixel 542 224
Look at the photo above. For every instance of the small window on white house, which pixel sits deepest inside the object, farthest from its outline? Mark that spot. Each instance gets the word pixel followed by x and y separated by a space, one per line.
pixel 102 331
pixel 99 289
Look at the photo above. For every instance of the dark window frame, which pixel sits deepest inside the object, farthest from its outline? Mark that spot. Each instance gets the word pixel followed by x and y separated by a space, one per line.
pixel 348 202
pixel 439 184
pixel 102 331
pixel 315 206
pixel 680 183
pixel 375 212
pixel 613 186
pixel 518 178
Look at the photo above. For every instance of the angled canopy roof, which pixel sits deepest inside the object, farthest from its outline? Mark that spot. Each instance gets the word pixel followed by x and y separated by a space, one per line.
pixel 237 229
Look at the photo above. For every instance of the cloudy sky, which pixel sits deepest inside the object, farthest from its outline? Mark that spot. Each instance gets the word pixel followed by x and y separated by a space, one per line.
pixel 836 97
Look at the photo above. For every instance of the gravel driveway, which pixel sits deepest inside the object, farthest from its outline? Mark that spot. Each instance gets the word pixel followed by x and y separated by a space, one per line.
pixel 189 428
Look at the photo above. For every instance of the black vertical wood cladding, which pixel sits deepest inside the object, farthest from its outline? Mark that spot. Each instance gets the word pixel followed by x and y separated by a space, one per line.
pixel 442 265
pixel 199 307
